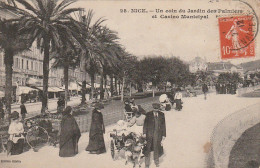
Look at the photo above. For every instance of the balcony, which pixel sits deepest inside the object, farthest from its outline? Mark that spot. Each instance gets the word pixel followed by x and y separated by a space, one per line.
pixel 27 71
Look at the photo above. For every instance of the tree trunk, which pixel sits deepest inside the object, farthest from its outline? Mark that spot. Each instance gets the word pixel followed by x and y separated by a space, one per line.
pixel 45 74
pixel 119 86
pixel 66 81
pixel 105 81
pixel 153 91
pixel 101 83
pixel 8 60
pixel 130 90
pixel 116 85
pixel 83 92
pixel 111 85
pixel 122 90
pixel 92 78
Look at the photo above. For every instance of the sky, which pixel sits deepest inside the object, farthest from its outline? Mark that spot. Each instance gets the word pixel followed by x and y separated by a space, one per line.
pixel 143 35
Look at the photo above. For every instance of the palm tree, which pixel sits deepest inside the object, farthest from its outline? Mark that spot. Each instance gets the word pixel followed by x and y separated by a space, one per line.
pixel 11 43
pixel 51 25
pixel 66 58
pixel 107 52
pixel 88 61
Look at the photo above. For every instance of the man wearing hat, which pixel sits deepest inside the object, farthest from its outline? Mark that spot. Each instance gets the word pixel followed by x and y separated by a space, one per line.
pixel 155 132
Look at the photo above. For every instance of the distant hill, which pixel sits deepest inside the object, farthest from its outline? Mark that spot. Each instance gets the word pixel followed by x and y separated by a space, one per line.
pixel 251 66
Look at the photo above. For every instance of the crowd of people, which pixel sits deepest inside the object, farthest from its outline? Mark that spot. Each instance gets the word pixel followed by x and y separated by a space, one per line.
pixel 226 88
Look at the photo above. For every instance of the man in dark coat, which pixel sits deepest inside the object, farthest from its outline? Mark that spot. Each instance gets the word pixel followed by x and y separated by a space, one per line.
pixel 23 110
pixel 155 132
pixel 205 89
pixel 69 134
pixel 97 129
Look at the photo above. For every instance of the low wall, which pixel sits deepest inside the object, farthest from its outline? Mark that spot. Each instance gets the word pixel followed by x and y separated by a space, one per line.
pixel 110 116
pixel 242 91
pixel 227 132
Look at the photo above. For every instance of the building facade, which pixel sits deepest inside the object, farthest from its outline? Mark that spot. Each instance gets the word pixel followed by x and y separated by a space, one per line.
pixel 197 64
pixel 223 67
pixel 28 68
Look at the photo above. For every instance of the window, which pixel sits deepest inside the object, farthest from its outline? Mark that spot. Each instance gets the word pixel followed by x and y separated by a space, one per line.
pixel 17 63
pixel 27 64
pixel 36 66
pixel 32 65
pixel 22 63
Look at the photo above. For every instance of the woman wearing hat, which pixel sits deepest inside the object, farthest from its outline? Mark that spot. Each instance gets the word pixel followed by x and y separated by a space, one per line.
pixel 97 129
pixel 69 134
pixel 16 138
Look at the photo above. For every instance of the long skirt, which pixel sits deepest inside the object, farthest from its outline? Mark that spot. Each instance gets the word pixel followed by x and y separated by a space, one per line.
pixel 16 148
pixel 178 104
pixel 70 148
pixel 96 144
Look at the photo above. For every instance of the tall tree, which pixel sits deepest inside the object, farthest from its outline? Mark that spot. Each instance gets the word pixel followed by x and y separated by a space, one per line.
pixel 88 60
pixel 11 42
pixel 45 20
pixel 66 58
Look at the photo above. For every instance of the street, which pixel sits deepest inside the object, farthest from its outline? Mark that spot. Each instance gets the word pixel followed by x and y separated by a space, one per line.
pixel 187 133
pixel 35 108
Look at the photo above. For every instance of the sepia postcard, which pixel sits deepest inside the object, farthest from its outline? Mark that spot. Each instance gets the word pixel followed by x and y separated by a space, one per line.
pixel 120 84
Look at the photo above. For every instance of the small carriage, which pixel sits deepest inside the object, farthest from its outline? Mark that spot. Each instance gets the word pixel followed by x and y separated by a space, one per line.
pixel 131 145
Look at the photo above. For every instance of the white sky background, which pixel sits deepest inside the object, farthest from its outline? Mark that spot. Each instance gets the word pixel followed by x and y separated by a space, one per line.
pixel 142 35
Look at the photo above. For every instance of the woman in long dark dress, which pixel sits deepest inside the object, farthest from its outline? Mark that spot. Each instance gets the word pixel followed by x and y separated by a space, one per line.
pixel 97 129
pixel 69 134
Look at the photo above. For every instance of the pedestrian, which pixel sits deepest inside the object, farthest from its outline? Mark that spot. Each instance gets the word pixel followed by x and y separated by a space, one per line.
pixel 171 96
pixel 178 99
pixel 97 129
pixel 60 104
pixel 69 134
pixel 23 110
pixel 128 107
pixel 154 131
pixel 16 138
pixel 205 89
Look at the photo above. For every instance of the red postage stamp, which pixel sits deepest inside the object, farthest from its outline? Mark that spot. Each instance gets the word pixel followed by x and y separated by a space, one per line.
pixel 237 37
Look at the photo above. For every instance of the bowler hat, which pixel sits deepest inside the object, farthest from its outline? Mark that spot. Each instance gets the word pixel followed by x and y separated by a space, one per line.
pixel 99 106
pixel 14 115
pixel 156 106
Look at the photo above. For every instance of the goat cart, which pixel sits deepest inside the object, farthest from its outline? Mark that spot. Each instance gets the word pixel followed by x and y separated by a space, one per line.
pixel 130 147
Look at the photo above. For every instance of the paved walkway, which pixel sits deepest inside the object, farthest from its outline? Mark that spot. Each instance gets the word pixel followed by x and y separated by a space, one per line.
pixel 187 133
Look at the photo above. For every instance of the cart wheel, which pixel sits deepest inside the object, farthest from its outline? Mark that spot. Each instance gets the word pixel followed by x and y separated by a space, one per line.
pixel 112 147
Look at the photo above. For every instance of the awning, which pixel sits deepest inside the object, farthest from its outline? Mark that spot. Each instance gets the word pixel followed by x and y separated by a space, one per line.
pixel 58 89
pixel 34 82
pixel 96 85
pixel 72 87
pixel 2 94
pixel 51 89
pixel 24 90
